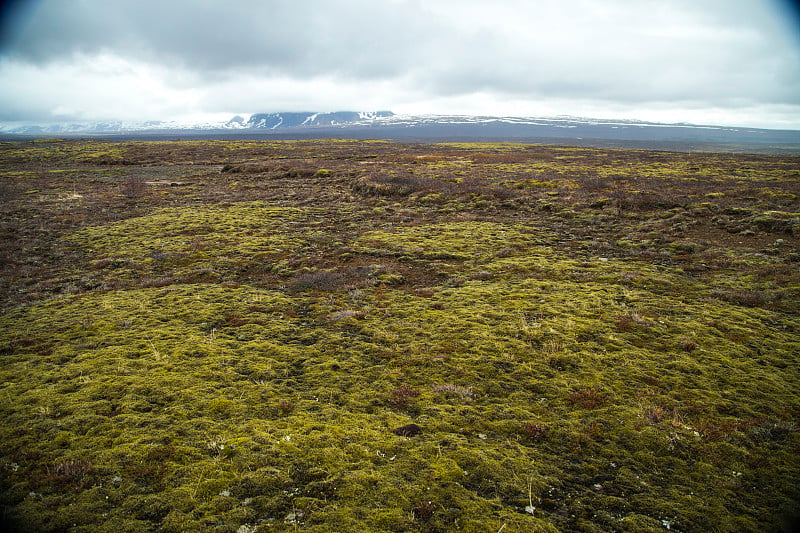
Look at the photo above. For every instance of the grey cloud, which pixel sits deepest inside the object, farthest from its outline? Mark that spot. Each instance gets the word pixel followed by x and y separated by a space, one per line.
pixel 713 52
pixel 693 62
pixel 298 38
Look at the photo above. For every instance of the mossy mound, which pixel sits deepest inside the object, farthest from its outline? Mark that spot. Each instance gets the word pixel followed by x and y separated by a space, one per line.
pixel 201 405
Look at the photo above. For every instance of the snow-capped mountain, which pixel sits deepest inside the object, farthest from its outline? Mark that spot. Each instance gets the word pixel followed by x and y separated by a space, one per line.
pixel 114 127
pixel 257 121
pixel 387 125
pixel 294 120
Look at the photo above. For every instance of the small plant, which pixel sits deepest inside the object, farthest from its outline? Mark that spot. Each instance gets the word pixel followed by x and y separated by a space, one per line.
pixel 563 362
pixel 553 346
pixel 285 407
pixel 465 393
pixel 320 280
pixel 620 195
pixel 218 448
pixel 387 185
pixel 345 314
pixel 750 298
pixel 134 187
pixel 625 323
pixel 533 431
pixel 402 396
pixel 716 428
pixel 235 320
pixel 67 472
pixel 424 511
pixel 629 322
pixel 425 292
pixel 654 414
pixel 773 431
pixel 588 398
pixel 687 344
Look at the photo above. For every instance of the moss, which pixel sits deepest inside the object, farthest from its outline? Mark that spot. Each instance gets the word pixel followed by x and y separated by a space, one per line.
pixel 567 369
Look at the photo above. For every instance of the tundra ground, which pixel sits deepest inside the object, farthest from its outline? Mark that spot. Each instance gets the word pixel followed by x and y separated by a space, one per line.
pixel 242 336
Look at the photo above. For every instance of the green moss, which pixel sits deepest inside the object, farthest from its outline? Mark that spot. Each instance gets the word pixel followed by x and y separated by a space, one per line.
pixel 198 243
pixel 568 369
pixel 473 241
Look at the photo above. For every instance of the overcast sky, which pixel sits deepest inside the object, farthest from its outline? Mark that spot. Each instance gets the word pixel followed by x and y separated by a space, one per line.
pixel 733 62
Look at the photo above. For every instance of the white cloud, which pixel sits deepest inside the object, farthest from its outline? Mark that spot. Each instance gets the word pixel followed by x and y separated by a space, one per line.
pixel 101 87
pixel 153 60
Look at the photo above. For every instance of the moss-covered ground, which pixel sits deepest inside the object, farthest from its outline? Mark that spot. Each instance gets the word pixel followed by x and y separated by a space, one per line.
pixel 326 336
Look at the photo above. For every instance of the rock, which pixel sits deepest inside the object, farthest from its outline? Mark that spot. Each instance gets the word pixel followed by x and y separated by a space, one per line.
pixel 408 430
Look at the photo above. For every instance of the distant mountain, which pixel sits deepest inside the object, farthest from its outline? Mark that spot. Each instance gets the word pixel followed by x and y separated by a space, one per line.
pixel 294 120
pixel 387 125
pixel 258 121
